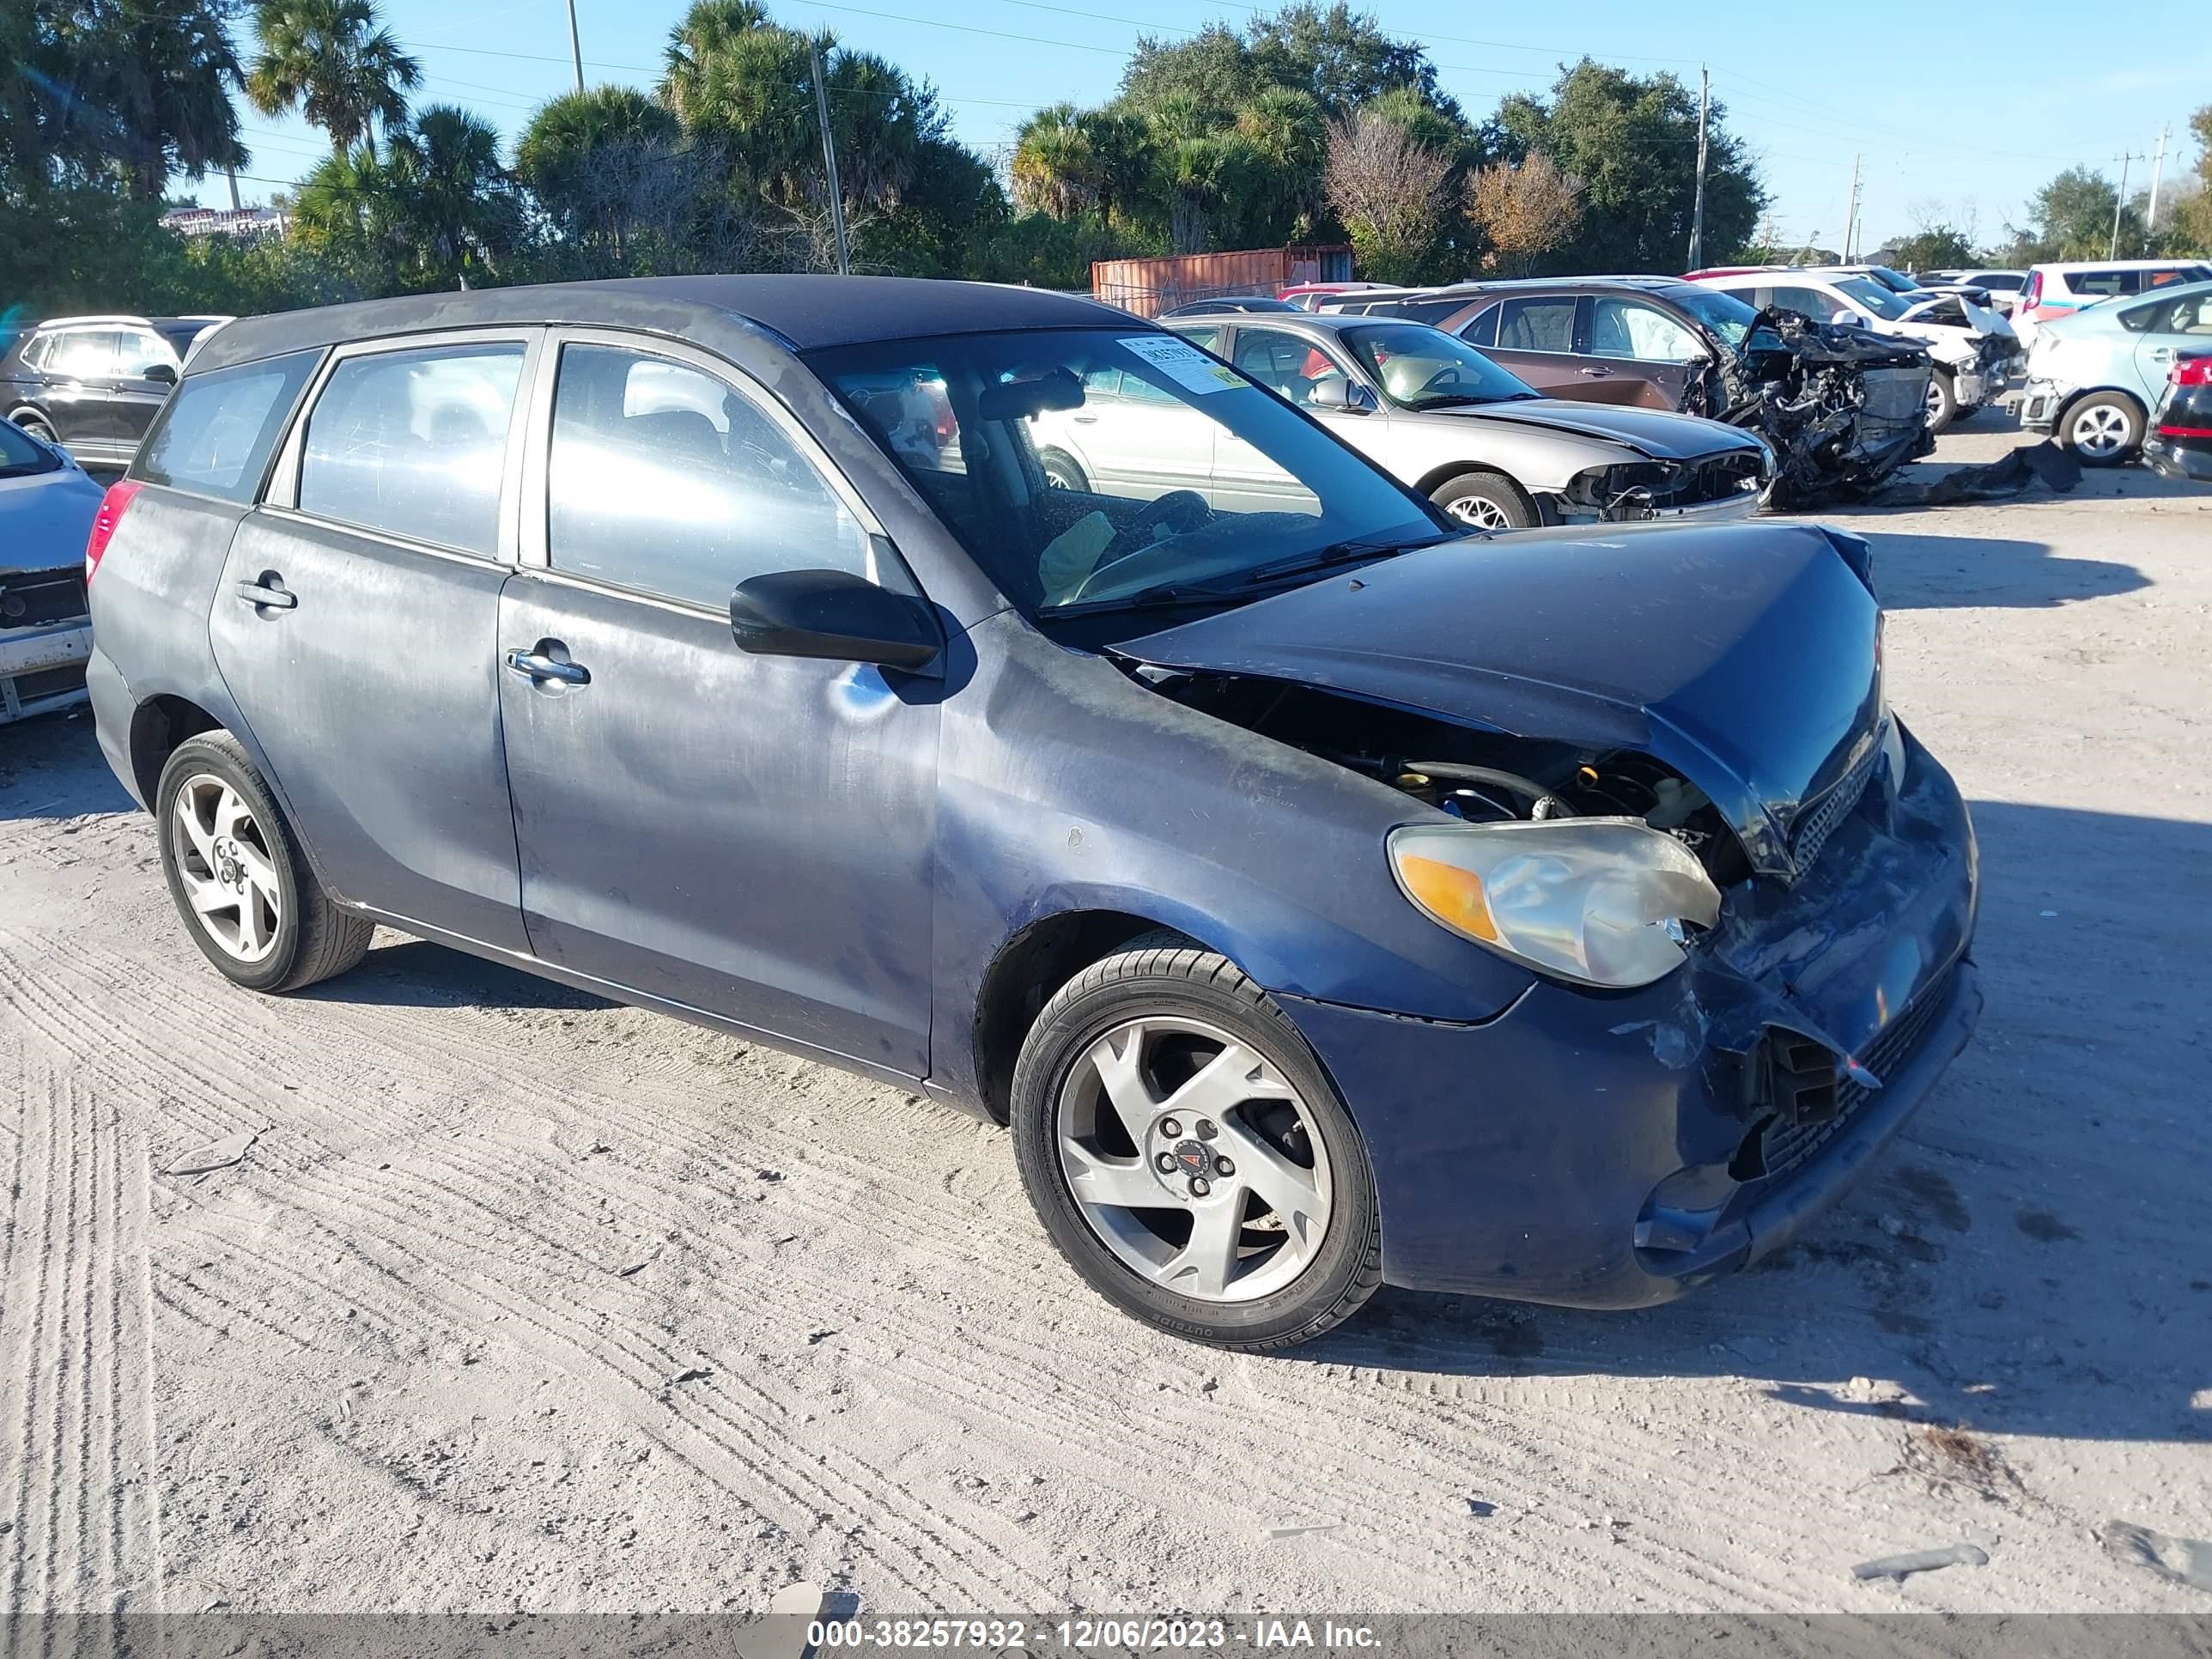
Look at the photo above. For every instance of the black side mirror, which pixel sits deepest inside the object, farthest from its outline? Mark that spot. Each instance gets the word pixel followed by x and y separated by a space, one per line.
pixel 835 614
pixel 160 373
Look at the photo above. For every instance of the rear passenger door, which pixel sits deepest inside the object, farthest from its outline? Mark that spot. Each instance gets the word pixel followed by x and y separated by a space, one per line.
pixel 357 625
pixel 1536 341
pixel 145 373
pixel 751 836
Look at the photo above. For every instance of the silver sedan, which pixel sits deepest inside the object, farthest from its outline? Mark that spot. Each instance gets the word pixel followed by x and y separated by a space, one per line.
pixel 1480 443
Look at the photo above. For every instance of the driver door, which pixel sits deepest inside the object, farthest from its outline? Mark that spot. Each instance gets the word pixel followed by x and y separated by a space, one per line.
pixel 1291 366
pixel 1645 354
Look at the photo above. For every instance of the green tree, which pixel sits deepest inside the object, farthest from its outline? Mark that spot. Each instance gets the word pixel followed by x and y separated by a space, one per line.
pixel 2071 218
pixel 2192 220
pixel 1054 170
pixel 1935 247
pixel 1632 142
pixel 457 198
pixel 140 88
pixel 577 151
pixel 347 74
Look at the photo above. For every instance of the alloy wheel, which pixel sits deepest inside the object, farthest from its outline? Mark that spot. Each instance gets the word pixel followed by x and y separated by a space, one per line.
pixel 1480 511
pixel 1193 1160
pixel 228 873
pixel 2100 431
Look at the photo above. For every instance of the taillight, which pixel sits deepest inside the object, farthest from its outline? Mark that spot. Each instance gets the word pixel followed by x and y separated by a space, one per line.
pixel 104 522
pixel 2031 296
pixel 2193 371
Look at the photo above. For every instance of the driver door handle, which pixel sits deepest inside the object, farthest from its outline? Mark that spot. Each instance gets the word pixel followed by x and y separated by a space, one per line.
pixel 1597 372
pixel 537 666
pixel 267 593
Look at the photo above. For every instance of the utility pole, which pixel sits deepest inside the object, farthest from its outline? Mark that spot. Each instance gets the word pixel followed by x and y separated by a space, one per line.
pixel 231 173
pixel 2157 167
pixel 1698 205
pixel 1851 213
pixel 829 156
pixel 575 46
pixel 2119 206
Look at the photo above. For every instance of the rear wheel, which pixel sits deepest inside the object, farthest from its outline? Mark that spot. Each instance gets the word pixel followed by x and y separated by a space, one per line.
pixel 37 427
pixel 1485 500
pixel 1061 472
pixel 237 875
pixel 1189 1156
pixel 2103 430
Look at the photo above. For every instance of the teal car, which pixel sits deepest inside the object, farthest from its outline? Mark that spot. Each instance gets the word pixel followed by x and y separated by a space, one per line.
pixel 2094 377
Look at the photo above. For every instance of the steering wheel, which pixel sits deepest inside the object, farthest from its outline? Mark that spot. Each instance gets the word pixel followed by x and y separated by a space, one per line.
pixel 1178 511
pixel 1446 378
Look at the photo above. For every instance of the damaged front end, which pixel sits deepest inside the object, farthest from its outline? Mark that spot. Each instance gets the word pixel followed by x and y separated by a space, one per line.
pixel 45 637
pixel 1701 1066
pixel 1842 408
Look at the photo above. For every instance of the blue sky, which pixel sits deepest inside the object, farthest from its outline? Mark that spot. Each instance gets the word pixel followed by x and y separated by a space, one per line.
pixel 1961 111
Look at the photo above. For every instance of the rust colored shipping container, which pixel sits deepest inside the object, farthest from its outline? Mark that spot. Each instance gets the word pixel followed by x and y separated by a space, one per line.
pixel 1149 287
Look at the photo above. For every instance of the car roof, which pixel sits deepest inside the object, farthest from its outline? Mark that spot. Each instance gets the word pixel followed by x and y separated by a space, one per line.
pixel 2178 261
pixel 803 312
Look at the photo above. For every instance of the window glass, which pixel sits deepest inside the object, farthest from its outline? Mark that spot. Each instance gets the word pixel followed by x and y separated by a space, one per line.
pixel 1546 325
pixel 1719 310
pixel 2000 281
pixel 215 433
pixel 1206 339
pixel 1422 367
pixel 20 456
pixel 142 350
pixel 1864 293
pixel 1625 328
pixel 2183 313
pixel 1483 330
pixel 83 354
pixel 2169 275
pixel 1805 302
pixel 2101 284
pixel 671 482
pixel 1216 481
pixel 414 443
pixel 1285 363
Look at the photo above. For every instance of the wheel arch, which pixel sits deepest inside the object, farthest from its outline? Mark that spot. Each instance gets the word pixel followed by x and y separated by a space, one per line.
pixel 2073 400
pixel 1032 964
pixel 158 725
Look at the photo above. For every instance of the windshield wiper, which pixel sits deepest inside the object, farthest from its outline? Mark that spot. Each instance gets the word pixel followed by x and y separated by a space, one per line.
pixel 1146 599
pixel 1336 553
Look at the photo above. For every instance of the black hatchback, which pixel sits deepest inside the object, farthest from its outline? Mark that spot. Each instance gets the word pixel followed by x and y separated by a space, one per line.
pixel 93 384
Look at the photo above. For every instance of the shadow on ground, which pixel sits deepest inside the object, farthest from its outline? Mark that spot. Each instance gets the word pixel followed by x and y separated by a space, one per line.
pixel 1917 572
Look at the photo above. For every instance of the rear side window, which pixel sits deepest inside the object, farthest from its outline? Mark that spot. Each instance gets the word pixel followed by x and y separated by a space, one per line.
pixel 414 444
pixel 1537 326
pixel 1483 330
pixel 83 354
pixel 215 436
pixel 674 484
pixel 2101 284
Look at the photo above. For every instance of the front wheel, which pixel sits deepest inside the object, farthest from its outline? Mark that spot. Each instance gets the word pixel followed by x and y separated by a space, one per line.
pixel 1485 499
pixel 1942 401
pixel 1189 1156
pixel 240 881
pixel 39 430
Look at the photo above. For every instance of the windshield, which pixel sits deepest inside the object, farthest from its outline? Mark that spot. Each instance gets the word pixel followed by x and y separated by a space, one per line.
pixel 1088 468
pixel 1896 280
pixel 1724 313
pixel 1871 297
pixel 20 456
pixel 1422 367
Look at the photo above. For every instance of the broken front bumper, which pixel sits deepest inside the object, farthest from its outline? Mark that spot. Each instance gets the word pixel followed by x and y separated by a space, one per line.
pixel 42 667
pixel 1611 1150
pixel 2039 402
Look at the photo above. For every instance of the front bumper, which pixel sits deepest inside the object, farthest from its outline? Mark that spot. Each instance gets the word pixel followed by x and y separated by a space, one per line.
pixel 42 667
pixel 2039 402
pixel 1608 1150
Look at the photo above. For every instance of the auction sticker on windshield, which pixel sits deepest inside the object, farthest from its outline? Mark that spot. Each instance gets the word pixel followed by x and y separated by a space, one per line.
pixel 1183 363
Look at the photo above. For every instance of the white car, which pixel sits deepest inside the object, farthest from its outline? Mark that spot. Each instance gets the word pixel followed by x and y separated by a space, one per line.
pixel 46 508
pixel 1972 347
pixel 2060 289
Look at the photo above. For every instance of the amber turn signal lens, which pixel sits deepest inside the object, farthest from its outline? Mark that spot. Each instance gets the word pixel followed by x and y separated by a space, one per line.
pixel 1451 894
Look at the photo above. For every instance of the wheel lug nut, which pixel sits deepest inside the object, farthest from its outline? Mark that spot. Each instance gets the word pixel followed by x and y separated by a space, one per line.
pixel 1206 1129
pixel 1224 1168
pixel 1166 1161
pixel 1169 1127
pixel 1199 1186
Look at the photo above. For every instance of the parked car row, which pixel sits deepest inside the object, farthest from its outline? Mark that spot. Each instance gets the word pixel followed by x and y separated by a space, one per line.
pixel 1325 891
pixel 2095 376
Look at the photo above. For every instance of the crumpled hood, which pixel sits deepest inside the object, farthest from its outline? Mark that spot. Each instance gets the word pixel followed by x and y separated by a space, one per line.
pixel 44 519
pixel 1657 433
pixel 1746 657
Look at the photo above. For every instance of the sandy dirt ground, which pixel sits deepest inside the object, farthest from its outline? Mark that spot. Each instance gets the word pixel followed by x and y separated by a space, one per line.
pixel 519 1300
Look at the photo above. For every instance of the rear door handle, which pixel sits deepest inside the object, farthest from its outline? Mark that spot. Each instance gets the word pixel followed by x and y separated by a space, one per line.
pixel 269 593
pixel 1597 373
pixel 537 666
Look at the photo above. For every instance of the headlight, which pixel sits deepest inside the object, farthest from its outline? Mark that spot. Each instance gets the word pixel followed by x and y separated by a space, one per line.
pixel 1599 900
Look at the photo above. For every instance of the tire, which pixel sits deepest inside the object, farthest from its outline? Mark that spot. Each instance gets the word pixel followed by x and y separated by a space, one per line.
pixel 1942 401
pixel 280 931
pixel 37 427
pixel 1061 472
pixel 1484 500
pixel 2103 429
pixel 1310 1264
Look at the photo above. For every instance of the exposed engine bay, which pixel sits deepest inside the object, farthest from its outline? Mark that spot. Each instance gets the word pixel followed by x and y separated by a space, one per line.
pixel 1482 777
pixel 1841 407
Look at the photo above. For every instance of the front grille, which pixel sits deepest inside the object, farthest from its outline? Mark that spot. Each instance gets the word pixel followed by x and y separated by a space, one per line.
pixel 50 682
pixel 1722 479
pixel 31 597
pixel 1788 1144
pixel 1810 833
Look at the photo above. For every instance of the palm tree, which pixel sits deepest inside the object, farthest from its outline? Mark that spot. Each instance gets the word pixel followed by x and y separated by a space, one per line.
pixel 581 146
pixel 698 46
pixel 456 191
pixel 145 90
pixel 1055 165
pixel 332 58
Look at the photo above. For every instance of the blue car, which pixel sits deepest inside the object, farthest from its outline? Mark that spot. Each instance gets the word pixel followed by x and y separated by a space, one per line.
pixel 1322 895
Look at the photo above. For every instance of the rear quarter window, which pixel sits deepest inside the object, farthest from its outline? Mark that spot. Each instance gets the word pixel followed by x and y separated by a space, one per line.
pixel 216 432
